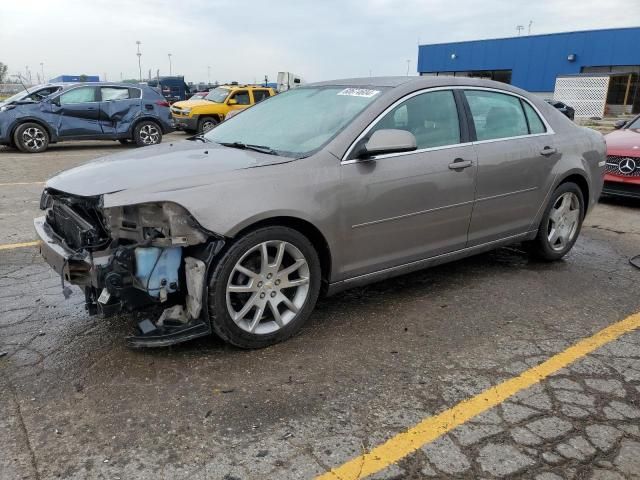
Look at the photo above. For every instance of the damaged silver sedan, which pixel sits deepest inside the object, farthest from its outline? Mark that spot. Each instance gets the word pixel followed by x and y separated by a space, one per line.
pixel 333 185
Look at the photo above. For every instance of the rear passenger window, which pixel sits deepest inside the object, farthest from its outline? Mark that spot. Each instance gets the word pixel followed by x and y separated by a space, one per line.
pixel 259 95
pixel 432 117
pixel 114 93
pixel 535 124
pixel 496 115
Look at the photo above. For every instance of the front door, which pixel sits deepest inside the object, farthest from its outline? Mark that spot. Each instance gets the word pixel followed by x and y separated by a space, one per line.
pixel 401 208
pixel 516 153
pixel 76 113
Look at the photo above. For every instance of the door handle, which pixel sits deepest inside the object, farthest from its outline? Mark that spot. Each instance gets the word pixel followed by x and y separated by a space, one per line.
pixel 460 164
pixel 548 151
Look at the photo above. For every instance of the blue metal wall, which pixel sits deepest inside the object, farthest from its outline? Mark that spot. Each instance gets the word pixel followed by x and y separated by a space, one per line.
pixel 75 78
pixel 535 60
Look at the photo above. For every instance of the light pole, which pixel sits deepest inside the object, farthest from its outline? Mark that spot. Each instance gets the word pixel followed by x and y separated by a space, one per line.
pixel 408 64
pixel 208 75
pixel 42 72
pixel 138 43
pixel 169 55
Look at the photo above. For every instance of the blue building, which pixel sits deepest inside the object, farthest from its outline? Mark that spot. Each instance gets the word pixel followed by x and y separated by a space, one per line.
pixel 535 62
pixel 76 78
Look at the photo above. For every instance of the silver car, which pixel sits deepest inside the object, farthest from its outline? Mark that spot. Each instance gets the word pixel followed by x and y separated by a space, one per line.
pixel 322 188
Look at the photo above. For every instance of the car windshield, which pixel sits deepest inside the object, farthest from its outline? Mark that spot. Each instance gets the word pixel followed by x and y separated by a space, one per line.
pixel 14 98
pixel 298 122
pixel 635 124
pixel 217 95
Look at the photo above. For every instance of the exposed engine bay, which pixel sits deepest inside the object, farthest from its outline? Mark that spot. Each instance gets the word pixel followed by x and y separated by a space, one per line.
pixel 132 257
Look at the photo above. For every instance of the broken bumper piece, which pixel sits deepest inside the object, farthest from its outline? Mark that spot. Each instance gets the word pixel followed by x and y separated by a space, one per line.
pixel 154 335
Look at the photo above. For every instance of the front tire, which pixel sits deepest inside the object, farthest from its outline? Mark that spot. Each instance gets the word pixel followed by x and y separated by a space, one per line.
pixel 207 123
pixel 147 133
pixel 264 288
pixel 561 223
pixel 31 138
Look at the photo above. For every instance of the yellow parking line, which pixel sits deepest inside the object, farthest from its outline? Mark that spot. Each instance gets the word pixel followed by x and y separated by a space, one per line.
pixel 13 246
pixel 20 183
pixel 431 428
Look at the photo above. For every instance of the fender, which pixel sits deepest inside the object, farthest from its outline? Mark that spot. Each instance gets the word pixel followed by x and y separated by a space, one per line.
pixel 53 134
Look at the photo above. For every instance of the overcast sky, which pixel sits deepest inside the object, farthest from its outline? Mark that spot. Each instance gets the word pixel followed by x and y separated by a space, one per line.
pixel 243 41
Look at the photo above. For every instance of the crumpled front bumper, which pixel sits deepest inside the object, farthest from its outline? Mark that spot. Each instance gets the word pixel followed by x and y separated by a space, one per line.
pixel 73 266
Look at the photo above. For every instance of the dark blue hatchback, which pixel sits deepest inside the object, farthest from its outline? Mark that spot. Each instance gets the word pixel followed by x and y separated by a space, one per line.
pixel 87 111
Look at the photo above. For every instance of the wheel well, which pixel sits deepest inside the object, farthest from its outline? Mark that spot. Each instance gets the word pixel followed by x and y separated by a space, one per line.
pixel 582 183
pixel 146 119
pixel 214 116
pixel 308 230
pixel 42 124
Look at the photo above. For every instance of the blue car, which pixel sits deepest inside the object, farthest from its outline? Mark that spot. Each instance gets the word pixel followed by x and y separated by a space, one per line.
pixel 87 111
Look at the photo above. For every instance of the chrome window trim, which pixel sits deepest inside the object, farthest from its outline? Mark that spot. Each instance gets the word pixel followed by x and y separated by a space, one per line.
pixel 346 161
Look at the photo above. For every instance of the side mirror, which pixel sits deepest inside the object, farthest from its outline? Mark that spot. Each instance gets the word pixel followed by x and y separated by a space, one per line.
pixel 389 141
pixel 232 101
pixel 619 124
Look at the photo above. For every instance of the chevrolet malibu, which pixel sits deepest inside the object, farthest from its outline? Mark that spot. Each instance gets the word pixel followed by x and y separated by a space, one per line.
pixel 329 186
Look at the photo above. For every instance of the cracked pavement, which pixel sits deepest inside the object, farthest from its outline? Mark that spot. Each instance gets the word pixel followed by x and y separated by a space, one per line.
pixel 76 403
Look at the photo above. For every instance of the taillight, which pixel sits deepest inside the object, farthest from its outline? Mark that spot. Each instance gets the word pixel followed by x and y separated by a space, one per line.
pixel 163 103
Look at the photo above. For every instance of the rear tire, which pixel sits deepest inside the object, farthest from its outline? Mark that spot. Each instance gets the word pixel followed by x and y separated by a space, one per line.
pixel 253 302
pixel 561 223
pixel 147 133
pixel 31 138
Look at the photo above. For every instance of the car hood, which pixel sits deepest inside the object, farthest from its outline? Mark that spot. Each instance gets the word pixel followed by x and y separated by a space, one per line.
pixel 194 103
pixel 159 168
pixel 627 139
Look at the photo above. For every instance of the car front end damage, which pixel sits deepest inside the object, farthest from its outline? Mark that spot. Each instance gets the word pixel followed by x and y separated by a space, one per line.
pixel 129 258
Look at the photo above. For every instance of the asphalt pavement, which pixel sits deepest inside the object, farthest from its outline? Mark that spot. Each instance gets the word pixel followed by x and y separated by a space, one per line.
pixel 374 362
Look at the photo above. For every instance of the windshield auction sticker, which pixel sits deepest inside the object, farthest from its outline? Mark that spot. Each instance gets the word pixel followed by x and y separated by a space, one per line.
pixel 359 92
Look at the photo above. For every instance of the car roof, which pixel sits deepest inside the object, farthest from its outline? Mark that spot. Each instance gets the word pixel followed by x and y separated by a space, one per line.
pixel 236 87
pixel 418 82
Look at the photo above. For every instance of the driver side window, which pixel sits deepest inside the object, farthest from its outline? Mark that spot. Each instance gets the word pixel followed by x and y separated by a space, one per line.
pixel 242 97
pixel 431 117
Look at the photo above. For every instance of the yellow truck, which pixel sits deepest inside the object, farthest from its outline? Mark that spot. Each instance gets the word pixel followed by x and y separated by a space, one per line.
pixel 204 114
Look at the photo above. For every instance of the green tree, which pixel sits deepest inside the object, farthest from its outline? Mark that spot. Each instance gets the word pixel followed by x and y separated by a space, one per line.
pixel 3 72
pixel 83 78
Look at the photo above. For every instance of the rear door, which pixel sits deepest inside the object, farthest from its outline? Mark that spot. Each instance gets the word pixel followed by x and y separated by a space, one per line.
pixel 75 112
pixel 259 95
pixel 119 106
pixel 515 156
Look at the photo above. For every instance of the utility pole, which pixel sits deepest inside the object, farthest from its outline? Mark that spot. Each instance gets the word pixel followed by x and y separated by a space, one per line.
pixel 138 43
pixel 170 70
pixel 519 28
pixel 530 23
pixel 208 75
pixel 408 65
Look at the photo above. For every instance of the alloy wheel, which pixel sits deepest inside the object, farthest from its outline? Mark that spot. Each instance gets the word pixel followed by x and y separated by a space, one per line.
pixel 149 134
pixel 207 125
pixel 33 138
pixel 267 287
pixel 564 220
